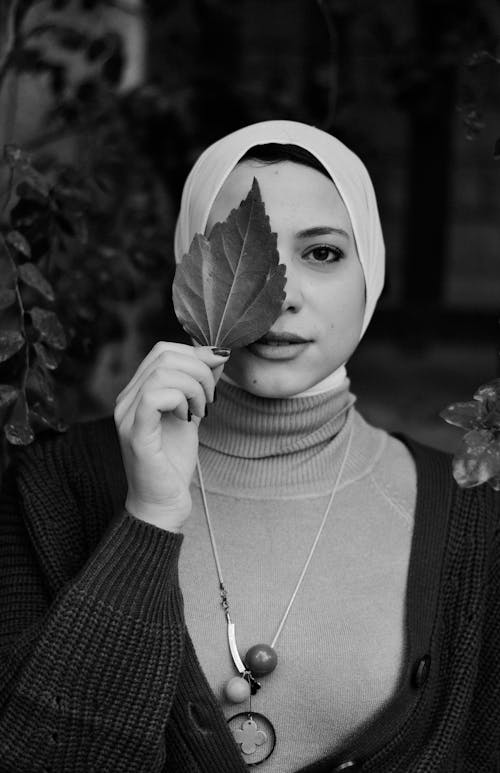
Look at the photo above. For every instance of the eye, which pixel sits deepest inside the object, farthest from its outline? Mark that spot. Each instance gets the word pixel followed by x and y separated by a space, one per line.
pixel 324 253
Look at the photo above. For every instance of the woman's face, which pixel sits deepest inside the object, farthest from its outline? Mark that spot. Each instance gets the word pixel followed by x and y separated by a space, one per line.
pixel 325 288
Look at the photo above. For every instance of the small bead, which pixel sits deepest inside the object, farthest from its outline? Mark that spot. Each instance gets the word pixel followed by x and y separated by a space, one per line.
pixel 261 659
pixel 237 690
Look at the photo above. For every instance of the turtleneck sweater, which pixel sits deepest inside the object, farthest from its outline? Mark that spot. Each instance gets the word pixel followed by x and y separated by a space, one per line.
pixel 269 467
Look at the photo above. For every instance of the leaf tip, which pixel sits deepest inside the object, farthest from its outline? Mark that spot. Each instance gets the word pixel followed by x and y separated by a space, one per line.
pixel 255 190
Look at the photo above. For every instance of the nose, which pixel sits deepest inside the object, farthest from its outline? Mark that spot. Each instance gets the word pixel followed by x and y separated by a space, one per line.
pixel 293 290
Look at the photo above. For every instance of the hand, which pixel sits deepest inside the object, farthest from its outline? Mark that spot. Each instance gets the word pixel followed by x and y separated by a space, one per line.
pixel 157 417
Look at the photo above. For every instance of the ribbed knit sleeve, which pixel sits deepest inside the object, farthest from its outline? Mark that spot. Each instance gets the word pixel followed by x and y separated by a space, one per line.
pixel 481 741
pixel 91 635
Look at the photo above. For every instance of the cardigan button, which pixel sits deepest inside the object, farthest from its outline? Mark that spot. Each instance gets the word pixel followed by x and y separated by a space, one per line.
pixel 349 765
pixel 421 671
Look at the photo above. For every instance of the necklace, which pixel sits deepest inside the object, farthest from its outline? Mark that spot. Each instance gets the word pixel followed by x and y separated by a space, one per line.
pixel 252 731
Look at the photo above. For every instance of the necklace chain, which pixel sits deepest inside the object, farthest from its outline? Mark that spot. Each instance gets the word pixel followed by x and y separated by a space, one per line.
pixel 223 591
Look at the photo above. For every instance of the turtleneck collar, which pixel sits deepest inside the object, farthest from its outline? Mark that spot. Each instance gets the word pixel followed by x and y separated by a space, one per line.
pixel 247 426
pixel 260 447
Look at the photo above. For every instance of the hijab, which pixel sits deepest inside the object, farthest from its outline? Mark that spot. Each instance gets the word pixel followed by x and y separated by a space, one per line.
pixel 347 171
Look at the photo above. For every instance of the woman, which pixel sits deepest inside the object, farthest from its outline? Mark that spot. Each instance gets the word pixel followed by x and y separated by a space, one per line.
pixel 347 555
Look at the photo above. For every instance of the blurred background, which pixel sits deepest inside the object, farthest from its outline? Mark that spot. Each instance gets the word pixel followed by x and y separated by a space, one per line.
pixel 105 105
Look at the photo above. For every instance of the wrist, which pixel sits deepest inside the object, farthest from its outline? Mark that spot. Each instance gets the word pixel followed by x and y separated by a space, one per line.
pixel 169 519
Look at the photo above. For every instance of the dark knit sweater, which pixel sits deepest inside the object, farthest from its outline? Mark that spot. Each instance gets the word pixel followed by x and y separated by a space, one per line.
pixel 97 670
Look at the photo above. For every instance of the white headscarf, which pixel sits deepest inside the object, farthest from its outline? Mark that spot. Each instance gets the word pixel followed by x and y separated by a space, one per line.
pixel 346 170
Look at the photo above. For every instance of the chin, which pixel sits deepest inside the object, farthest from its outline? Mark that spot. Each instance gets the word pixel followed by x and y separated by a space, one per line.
pixel 277 386
pixel 276 380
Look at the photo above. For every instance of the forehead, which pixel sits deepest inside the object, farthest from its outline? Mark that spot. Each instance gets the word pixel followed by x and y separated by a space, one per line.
pixel 291 192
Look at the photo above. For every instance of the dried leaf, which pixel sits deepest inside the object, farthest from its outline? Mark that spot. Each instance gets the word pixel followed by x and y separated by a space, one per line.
pixel 50 329
pixel 32 276
pixel 229 289
pixel 19 242
pixel 10 343
pixel 7 298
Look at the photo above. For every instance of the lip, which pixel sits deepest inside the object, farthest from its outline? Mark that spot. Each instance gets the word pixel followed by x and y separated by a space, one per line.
pixel 282 338
pixel 279 346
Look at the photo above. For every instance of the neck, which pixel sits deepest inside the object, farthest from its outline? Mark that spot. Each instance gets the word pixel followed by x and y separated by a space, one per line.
pixel 260 444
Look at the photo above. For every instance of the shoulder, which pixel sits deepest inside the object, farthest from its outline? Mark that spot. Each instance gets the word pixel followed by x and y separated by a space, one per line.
pixel 478 504
pixel 66 489
pixel 391 467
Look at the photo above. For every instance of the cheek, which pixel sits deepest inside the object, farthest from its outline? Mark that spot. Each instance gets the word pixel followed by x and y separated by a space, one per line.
pixel 342 306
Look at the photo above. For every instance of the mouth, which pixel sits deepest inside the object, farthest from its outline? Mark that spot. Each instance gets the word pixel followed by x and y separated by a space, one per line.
pixel 281 339
pixel 279 346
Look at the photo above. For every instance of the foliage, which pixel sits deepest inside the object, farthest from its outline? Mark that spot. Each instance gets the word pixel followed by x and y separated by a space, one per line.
pixel 78 238
pixel 478 458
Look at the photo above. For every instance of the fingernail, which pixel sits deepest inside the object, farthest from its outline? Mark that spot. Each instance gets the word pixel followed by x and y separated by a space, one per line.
pixel 190 415
pixel 221 352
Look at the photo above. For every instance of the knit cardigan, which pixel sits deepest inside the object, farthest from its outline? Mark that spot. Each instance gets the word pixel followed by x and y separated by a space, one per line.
pixel 97 670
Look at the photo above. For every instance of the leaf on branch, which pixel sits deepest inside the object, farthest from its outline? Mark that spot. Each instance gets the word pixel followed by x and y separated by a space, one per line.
pixel 8 394
pixel 21 162
pixel 19 242
pixel 39 383
pixel 10 343
pixel 477 460
pixel 47 356
pixel 41 419
pixel 229 289
pixel 7 298
pixel 18 430
pixel 50 329
pixel 32 276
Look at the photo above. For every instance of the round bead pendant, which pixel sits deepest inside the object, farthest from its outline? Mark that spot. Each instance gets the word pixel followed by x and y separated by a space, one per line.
pixel 261 659
pixel 237 690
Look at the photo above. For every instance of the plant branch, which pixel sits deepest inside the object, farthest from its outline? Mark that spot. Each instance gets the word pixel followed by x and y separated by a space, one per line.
pixel 333 90
pixel 10 35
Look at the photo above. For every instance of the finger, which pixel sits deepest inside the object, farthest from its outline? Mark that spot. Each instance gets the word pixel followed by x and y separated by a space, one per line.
pixel 207 355
pixel 163 378
pixel 217 373
pixel 148 413
pixel 158 348
pixel 173 361
pixel 178 356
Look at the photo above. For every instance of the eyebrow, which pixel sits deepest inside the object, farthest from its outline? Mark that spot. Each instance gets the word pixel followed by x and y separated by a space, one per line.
pixel 319 230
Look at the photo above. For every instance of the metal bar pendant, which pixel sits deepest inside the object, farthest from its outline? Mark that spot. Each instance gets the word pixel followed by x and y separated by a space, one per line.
pixel 231 637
